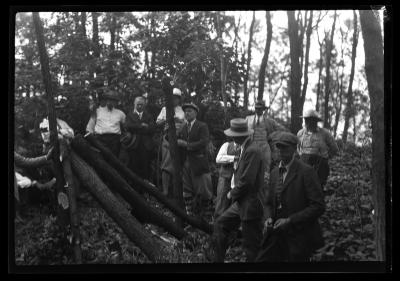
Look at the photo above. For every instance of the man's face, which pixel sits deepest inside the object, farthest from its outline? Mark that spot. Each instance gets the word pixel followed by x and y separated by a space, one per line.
pixel 190 114
pixel 311 123
pixel 239 140
pixel 259 111
pixel 285 152
pixel 139 104
pixel 111 103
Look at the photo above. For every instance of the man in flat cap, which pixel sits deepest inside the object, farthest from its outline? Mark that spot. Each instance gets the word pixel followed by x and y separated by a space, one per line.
pixel 107 122
pixel 294 204
pixel 316 145
pixel 246 209
pixel 197 185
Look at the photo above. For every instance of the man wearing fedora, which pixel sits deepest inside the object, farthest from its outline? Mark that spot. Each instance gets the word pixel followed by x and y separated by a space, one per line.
pixel 197 185
pixel 263 128
pixel 316 145
pixel 294 204
pixel 106 124
pixel 140 126
pixel 246 184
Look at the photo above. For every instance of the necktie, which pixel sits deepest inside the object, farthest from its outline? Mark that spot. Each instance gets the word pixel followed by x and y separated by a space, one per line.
pixel 189 127
pixel 279 187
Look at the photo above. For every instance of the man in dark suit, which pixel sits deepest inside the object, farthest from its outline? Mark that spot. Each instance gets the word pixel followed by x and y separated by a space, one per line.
pixel 197 186
pixel 294 204
pixel 246 184
pixel 141 125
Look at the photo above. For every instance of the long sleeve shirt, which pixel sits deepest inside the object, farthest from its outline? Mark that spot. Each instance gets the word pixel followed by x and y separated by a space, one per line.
pixel 223 157
pixel 319 143
pixel 106 121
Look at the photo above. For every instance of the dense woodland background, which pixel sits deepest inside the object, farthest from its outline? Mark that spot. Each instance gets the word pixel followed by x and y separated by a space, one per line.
pixel 208 55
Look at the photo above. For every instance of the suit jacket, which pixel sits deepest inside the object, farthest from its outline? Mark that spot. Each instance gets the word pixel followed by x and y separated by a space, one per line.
pixel 196 151
pixel 249 180
pixel 144 135
pixel 303 202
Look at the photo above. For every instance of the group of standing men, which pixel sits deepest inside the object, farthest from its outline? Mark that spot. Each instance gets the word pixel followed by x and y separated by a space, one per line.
pixel 270 182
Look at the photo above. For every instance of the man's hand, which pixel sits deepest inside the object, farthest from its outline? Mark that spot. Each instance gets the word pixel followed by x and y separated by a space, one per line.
pixel 229 196
pixel 49 153
pixel 182 143
pixel 282 223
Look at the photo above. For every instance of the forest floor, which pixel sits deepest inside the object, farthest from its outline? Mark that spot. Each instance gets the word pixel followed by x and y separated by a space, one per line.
pixel 347 226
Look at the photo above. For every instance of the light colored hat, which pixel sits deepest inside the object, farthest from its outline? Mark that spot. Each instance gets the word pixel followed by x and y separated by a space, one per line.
pixel 286 139
pixel 177 92
pixel 311 113
pixel 239 128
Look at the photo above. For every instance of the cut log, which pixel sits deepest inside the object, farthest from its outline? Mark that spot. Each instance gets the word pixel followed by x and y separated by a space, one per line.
pixel 141 185
pixel 142 238
pixel 141 210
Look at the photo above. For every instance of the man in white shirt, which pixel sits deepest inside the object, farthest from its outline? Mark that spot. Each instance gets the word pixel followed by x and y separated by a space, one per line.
pixel 179 114
pixel 107 123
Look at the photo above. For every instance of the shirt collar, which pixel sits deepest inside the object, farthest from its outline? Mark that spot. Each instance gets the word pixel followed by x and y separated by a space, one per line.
pixel 139 113
pixel 192 122
pixel 288 165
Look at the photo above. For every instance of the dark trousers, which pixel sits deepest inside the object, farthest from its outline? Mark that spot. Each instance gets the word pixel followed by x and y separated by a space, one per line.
pixel 139 161
pixel 319 164
pixel 111 141
pixel 230 221
pixel 222 202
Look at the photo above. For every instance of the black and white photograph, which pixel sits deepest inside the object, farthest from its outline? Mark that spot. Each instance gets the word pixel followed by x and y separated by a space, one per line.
pixel 200 137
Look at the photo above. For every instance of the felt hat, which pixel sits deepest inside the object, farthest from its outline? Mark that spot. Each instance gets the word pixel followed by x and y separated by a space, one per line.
pixel 239 128
pixel 190 105
pixel 311 113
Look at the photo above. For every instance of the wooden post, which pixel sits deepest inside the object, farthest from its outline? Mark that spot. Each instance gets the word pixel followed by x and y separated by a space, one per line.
pixel 145 186
pixel 62 210
pixel 153 249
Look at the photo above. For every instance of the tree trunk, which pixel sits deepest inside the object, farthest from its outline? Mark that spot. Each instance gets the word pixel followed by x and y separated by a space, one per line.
pixel 319 78
pixel 328 54
pixel 62 210
pixel 222 61
pixel 74 214
pixel 152 248
pixel 112 32
pixel 142 211
pixel 83 24
pixel 295 74
pixel 173 144
pixel 349 106
pixel 95 39
pixel 339 108
pixel 246 77
pixel 264 61
pixel 145 186
pixel 308 36
pixel 373 46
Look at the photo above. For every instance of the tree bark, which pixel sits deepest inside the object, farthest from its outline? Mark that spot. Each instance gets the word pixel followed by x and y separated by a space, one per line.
pixel 264 61
pixel 308 37
pixel 83 24
pixel 246 77
pixel 152 248
pixel 112 32
pixel 62 210
pixel 95 38
pixel 144 186
pixel 222 61
pixel 73 208
pixel 349 106
pixel 295 74
pixel 329 47
pixel 320 66
pixel 373 46
pixel 142 211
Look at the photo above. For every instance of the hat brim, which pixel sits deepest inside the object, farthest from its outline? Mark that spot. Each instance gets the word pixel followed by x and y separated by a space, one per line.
pixel 284 143
pixel 189 106
pixel 230 133
pixel 312 117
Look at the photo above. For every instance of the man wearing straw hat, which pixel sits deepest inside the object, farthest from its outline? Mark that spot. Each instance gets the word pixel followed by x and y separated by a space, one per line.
pixel 246 184
pixel 316 145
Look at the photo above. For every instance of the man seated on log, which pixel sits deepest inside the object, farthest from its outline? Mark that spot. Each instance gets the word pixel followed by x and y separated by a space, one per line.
pixel 197 185
pixel 141 127
pixel 246 209
pixel 294 204
pixel 107 122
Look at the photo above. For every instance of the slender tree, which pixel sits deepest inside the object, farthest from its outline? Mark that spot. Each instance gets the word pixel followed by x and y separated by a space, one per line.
pixel 373 46
pixel 320 68
pixel 349 106
pixel 328 54
pixel 222 60
pixel 246 78
pixel 264 61
pixel 308 37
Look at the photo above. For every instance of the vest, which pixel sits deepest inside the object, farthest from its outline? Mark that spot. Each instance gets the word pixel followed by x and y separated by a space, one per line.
pixel 260 132
pixel 226 170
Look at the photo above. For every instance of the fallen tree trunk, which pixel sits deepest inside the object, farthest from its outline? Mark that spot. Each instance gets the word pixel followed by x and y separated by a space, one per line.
pixel 141 210
pixel 141 185
pixel 153 249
